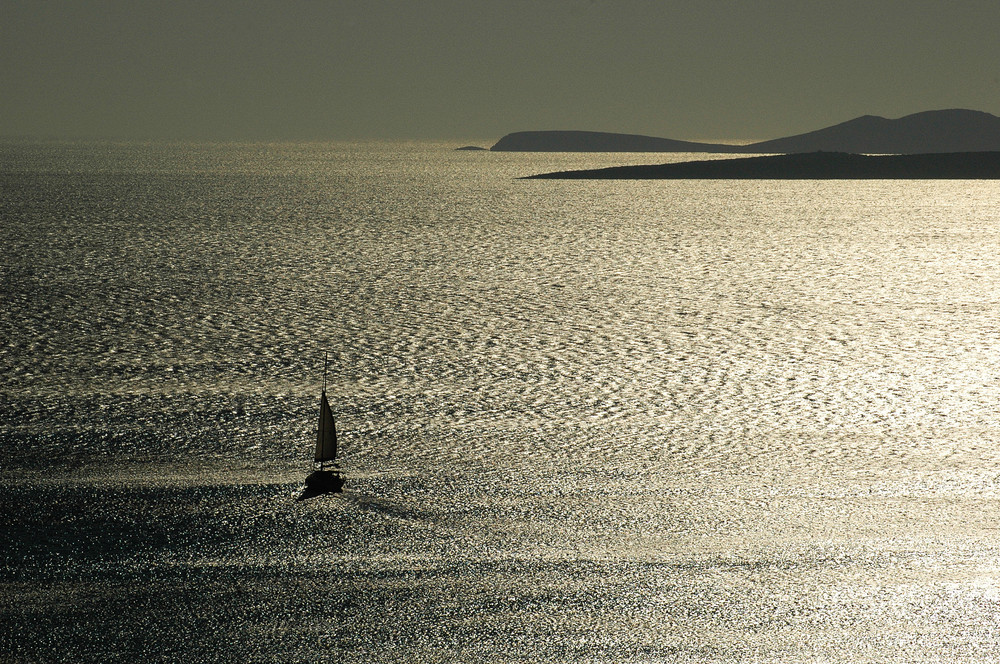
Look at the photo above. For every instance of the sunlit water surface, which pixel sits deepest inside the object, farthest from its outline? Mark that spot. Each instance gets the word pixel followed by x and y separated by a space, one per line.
pixel 678 421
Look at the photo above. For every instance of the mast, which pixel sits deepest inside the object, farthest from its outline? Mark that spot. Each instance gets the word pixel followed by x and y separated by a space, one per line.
pixel 326 360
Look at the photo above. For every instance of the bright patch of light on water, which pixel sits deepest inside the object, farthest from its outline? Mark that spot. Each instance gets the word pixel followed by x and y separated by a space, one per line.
pixel 581 421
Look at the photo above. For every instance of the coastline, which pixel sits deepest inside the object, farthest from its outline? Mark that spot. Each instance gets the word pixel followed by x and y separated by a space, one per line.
pixel 806 166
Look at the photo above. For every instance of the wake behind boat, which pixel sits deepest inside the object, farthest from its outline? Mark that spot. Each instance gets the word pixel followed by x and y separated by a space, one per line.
pixel 323 479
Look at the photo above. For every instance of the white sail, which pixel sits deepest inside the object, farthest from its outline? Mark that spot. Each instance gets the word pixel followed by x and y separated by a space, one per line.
pixel 326 441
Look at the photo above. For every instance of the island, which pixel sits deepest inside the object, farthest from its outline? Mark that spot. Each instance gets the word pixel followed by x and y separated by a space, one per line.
pixel 470 147
pixel 952 130
pixel 598 141
pixel 806 166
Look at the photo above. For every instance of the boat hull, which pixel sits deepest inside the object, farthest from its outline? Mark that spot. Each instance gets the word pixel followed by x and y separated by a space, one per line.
pixel 323 481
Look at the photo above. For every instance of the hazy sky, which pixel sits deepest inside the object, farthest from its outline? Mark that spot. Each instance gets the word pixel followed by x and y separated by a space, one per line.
pixel 475 70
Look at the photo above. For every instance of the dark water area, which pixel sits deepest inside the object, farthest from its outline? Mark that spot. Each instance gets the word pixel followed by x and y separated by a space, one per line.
pixel 581 421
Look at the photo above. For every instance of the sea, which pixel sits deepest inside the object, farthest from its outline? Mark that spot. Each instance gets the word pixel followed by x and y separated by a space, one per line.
pixel 581 421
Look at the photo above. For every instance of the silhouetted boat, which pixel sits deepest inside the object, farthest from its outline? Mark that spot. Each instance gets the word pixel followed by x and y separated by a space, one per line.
pixel 323 479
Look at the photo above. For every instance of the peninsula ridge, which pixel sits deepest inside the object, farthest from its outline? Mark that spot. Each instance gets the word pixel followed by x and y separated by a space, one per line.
pixel 954 130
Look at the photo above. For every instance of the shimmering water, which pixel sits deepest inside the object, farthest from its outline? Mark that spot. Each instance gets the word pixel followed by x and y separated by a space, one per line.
pixel 685 421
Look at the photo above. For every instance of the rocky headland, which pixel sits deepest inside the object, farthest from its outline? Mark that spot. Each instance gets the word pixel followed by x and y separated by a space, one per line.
pixel 808 166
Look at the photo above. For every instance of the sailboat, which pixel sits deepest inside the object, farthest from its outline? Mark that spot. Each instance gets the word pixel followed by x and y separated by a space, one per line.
pixel 325 479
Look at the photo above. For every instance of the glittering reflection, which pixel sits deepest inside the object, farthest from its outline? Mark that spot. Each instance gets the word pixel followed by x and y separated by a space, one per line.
pixel 557 569
pixel 686 421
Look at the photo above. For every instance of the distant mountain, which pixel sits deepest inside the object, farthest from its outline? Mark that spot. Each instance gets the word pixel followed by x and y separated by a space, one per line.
pixel 954 130
pixel 807 166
